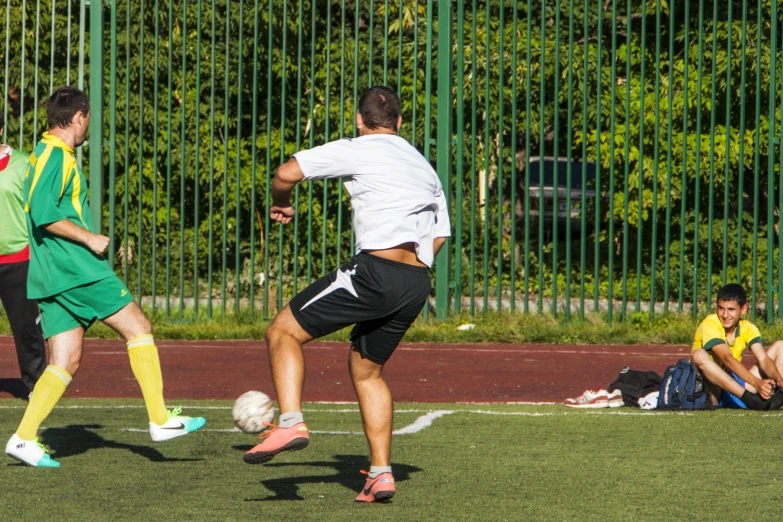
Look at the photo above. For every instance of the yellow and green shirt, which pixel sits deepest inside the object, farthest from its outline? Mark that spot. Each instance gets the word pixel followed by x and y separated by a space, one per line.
pixel 711 333
pixel 55 189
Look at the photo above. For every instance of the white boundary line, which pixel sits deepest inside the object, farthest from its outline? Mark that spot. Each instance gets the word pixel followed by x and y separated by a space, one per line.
pixel 421 423
pixel 425 421
pixel 429 415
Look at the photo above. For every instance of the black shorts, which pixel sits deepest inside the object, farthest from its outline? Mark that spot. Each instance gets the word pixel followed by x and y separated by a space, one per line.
pixel 381 297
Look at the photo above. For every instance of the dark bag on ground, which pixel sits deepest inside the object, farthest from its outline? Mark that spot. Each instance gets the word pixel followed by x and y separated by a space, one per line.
pixel 634 385
pixel 683 388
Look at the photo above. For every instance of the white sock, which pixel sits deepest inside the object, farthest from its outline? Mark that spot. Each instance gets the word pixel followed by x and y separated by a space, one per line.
pixel 377 470
pixel 290 418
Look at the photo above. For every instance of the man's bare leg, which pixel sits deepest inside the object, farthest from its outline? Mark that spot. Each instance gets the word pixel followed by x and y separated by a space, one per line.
pixel 65 353
pixel 65 350
pixel 377 408
pixel 375 404
pixel 284 340
pixel 130 322
pixel 719 378
pixel 135 327
pixel 775 352
pixel 717 375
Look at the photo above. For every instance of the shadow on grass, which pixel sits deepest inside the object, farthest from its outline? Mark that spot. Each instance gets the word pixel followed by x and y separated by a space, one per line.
pixel 14 387
pixel 80 438
pixel 347 475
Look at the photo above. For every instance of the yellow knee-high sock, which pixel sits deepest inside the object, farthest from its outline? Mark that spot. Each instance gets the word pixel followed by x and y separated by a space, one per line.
pixel 146 368
pixel 48 390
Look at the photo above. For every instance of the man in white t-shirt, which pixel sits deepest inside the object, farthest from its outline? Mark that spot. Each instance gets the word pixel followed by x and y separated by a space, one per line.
pixel 400 223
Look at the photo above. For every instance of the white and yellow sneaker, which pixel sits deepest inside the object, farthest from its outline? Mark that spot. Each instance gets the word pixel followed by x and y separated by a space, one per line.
pixel 175 426
pixel 31 452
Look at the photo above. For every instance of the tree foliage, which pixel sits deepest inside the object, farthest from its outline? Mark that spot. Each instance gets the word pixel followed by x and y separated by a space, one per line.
pixel 203 100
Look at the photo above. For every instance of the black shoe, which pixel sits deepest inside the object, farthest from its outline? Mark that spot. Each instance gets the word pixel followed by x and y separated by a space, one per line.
pixel 776 401
pixel 754 402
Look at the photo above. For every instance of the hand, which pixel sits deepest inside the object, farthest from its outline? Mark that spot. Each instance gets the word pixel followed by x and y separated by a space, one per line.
pixel 282 213
pixel 765 388
pixel 98 243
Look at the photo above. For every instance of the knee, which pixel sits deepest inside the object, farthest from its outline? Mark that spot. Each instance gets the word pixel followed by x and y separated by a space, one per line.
pixel 146 325
pixel 133 323
pixel 69 363
pixel 72 368
pixel 362 369
pixel 775 349
pixel 282 326
pixel 700 358
pixel 140 325
pixel 270 332
pixel 143 326
pixel 274 332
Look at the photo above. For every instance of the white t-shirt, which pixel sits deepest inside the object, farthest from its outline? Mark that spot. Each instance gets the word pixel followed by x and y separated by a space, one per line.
pixel 395 193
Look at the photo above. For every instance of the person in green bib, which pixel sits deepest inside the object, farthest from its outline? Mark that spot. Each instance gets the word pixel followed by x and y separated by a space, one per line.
pixel 74 285
pixel 22 311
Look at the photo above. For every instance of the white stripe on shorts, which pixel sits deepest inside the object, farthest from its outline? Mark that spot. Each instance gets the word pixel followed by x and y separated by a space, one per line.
pixel 343 280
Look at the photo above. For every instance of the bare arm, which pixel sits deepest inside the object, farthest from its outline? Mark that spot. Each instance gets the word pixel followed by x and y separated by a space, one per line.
pixel 723 353
pixel 437 244
pixel 69 230
pixel 286 178
pixel 766 364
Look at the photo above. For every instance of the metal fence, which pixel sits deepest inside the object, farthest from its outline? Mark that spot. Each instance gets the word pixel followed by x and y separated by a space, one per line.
pixel 614 156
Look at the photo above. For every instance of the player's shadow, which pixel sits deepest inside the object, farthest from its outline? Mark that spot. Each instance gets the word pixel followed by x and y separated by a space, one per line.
pixel 81 438
pixel 347 475
pixel 14 387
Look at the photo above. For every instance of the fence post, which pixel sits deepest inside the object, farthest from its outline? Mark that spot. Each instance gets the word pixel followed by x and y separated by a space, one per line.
pixel 443 272
pixel 96 109
pixel 773 142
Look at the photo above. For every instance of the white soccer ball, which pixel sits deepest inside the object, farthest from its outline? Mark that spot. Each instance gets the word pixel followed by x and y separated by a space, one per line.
pixel 251 410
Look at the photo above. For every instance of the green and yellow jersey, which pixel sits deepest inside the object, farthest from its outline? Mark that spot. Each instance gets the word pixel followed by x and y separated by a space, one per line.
pixel 711 333
pixel 55 189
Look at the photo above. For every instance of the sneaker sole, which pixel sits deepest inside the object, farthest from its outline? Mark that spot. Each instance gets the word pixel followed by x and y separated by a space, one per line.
pixel 164 435
pixel 169 436
pixel 19 459
pixel 260 457
pixel 594 405
pixel 616 404
pixel 381 496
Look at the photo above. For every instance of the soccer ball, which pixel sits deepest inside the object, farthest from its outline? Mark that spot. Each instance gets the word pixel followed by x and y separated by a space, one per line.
pixel 251 410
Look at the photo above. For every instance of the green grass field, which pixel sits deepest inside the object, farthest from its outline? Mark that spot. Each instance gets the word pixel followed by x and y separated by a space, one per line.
pixel 473 462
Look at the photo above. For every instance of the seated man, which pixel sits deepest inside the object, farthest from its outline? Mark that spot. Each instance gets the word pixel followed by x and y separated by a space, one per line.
pixel 717 351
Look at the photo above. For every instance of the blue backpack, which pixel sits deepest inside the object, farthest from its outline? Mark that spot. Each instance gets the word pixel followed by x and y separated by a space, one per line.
pixel 683 388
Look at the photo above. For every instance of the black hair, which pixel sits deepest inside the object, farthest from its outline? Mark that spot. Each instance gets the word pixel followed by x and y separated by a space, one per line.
pixel 63 105
pixel 733 292
pixel 379 107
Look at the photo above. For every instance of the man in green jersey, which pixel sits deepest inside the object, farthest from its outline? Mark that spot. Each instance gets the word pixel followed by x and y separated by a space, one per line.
pixel 74 284
pixel 22 312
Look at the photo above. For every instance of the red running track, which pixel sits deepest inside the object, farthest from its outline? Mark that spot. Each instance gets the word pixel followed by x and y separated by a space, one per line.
pixel 416 372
